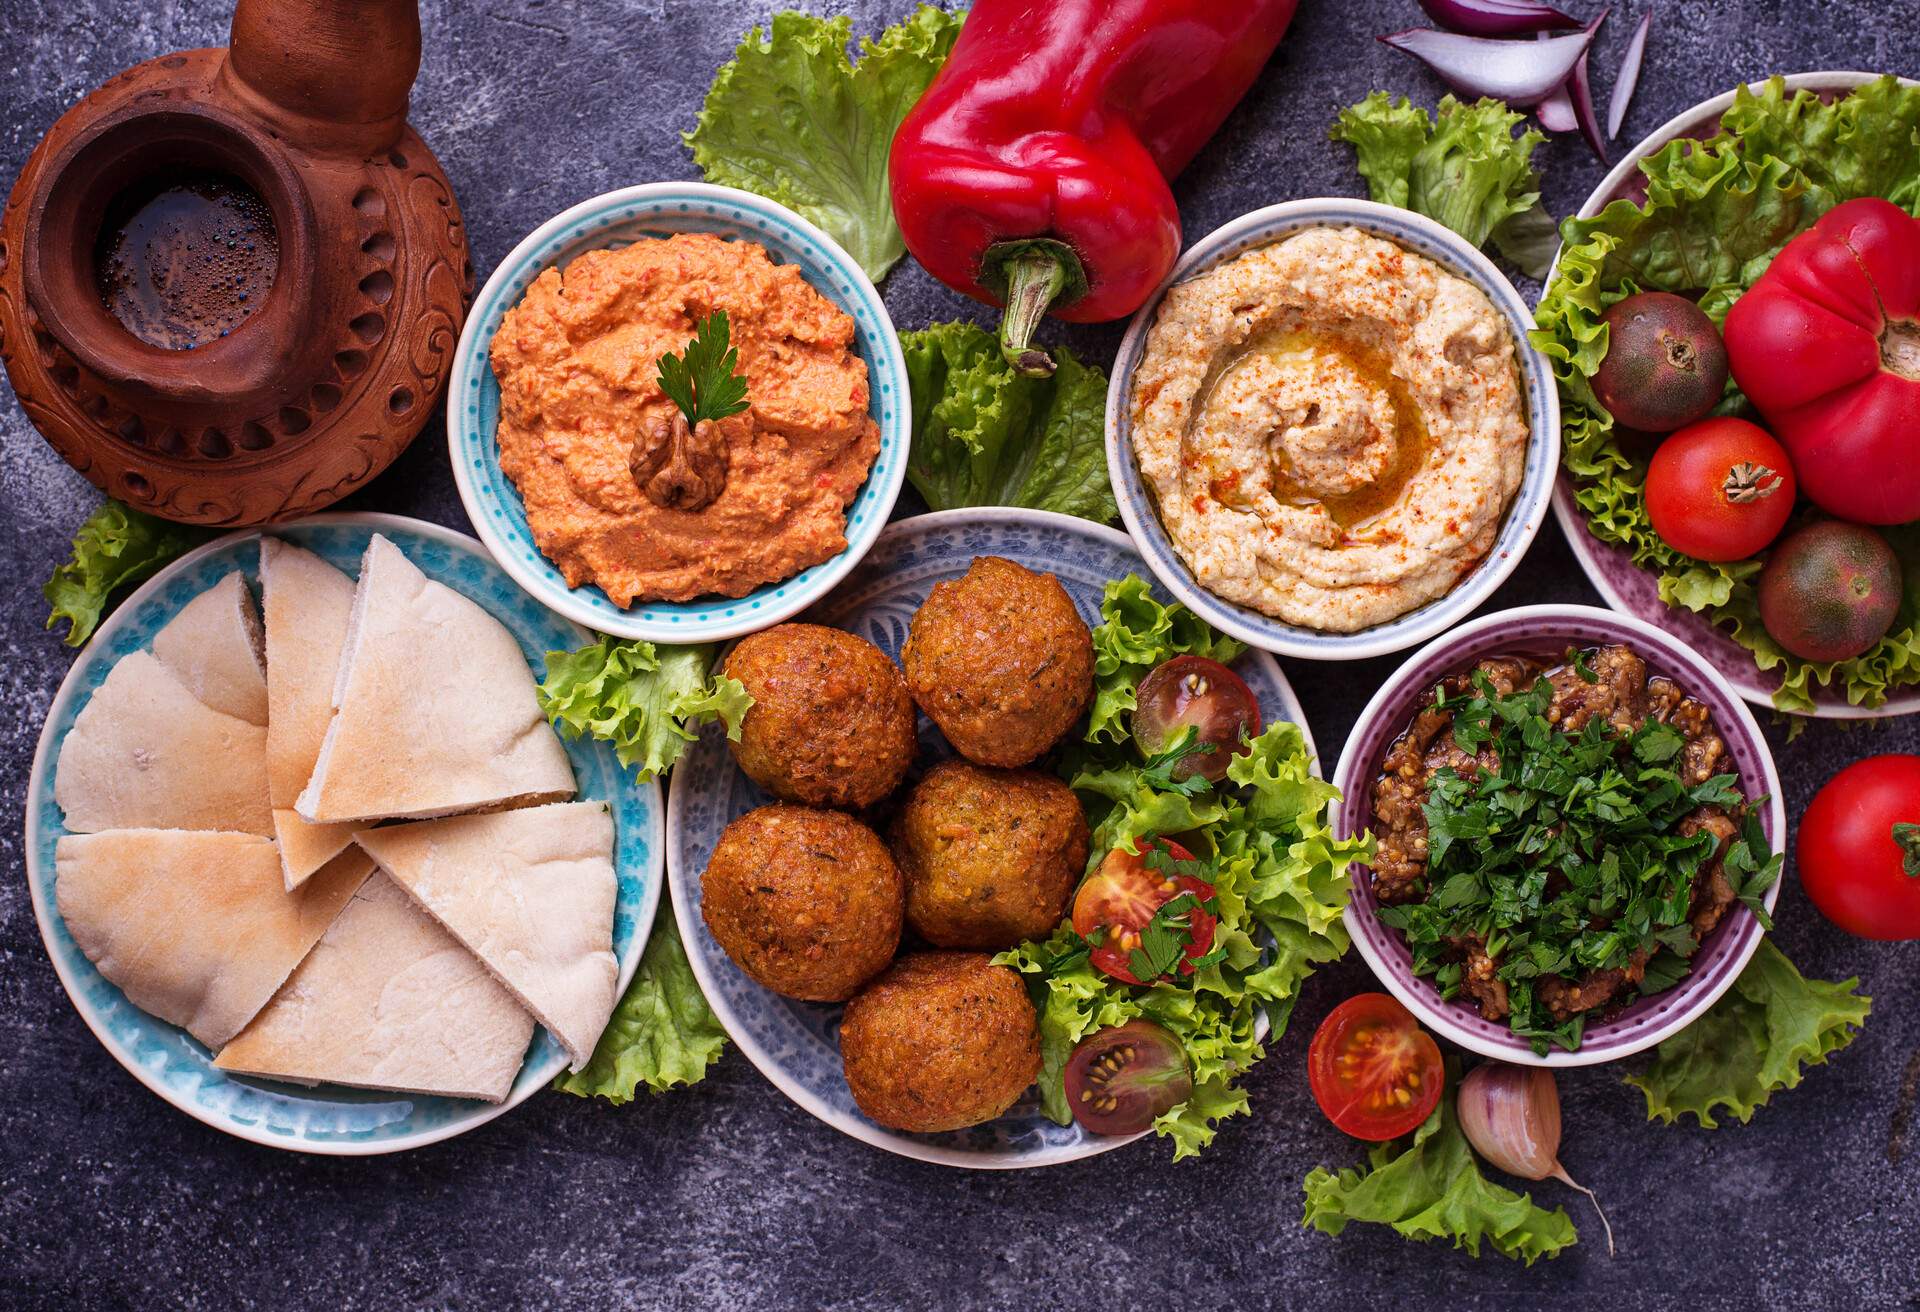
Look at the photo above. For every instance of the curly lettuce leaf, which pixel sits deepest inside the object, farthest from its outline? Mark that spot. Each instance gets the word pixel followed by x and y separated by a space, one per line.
pixel 647 702
pixel 1135 634
pixel 1716 214
pixel 115 548
pixel 1430 1187
pixel 1758 1038
pixel 662 1034
pixel 984 435
pixel 794 119
pixel 1280 885
pixel 1462 167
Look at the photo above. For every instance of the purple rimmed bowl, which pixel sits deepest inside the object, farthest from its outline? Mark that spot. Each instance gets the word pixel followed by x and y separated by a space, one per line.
pixel 1547 631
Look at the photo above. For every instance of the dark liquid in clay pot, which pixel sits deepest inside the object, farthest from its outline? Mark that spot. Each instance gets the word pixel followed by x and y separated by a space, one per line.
pixel 182 260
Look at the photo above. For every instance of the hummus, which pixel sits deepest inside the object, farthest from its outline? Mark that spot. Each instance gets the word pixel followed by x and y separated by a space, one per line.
pixel 578 362
pixel 1331 427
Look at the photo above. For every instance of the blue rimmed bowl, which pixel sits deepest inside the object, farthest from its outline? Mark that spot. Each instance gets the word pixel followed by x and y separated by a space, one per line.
pixel 795 1044
pixel 619 218
pixel 327 1118
pixel 1413 232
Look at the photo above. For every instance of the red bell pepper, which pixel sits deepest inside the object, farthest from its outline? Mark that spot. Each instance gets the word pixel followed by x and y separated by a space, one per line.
pixel 1033 172
pixel 1827 346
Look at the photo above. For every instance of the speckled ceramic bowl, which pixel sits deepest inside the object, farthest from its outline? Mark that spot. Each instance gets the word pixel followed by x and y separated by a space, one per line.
pixel 616 219
pixel 1548 631
pixel 796 1044
pixel 1625 586
pixel 328 1118
pixel 1422 236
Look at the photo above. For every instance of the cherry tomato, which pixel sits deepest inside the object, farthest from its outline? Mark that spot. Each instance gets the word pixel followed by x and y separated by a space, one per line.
pixel 1194 692
pixel 1375 1073
pixel 1859 848
pixel 1121 1078
pixel 1119 899
pixel 1721 489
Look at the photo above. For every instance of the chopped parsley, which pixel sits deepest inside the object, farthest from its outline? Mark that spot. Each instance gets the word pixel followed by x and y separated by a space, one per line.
pixel 1568 856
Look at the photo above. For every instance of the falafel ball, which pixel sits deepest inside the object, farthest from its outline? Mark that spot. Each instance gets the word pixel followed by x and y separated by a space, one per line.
pixel 1001 661
pixel 989 856
pixel 807 903
pixel 831 722
pixel 942 1041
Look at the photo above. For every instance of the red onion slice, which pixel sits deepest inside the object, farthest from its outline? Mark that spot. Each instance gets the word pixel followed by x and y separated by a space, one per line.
pixel 1623 86
pixel 1582 96
pixel 1522 73
pixel 1556 112
pixel 1497 17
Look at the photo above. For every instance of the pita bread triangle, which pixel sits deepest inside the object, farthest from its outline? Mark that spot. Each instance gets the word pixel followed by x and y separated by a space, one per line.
pixel 529 892
pixel 307 605
pixel 195 927
pixel 213 644
pixel 388 1000
pixel 434 708
pixel 145 753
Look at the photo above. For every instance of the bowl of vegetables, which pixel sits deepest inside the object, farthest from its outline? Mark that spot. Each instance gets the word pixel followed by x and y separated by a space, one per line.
pixel 1740 393
pixel 1579 835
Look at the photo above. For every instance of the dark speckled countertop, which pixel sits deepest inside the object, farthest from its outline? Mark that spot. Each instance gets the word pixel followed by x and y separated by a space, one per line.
pixel 727 1195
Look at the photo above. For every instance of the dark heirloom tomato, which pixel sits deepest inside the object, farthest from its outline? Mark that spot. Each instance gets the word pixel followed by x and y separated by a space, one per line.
pixel 1859 848
pixel 1119 900
pixel 1121 1078
pixel 1204 695
pixel 1375 1073
pixel 1665 364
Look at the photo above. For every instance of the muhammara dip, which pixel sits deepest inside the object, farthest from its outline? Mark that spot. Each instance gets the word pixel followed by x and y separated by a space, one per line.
pixel 755 498
pixel 1332 428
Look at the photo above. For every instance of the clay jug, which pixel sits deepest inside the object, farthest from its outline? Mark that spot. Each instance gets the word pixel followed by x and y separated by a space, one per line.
pixel 231 281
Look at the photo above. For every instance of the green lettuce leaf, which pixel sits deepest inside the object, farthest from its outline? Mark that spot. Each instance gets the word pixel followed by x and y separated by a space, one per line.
pixel 647 702
pixel 984 435
pixel 116 548
pixel 662 1034
pixel 1716 214
pixel 794 119
pixel 1463 167
pixel 1430 1187
pixel 1280 885
pixel 1759 1037
pixel 1135 634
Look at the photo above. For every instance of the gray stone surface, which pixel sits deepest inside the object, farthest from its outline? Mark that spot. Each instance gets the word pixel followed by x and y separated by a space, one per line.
pixel 726 1194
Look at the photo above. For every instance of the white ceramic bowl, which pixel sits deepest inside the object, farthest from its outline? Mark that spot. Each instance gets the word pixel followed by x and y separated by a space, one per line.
pixel 1635 591
pixel 1423 236
pixel 326 1119
pixel 618 218
pixel 1549 630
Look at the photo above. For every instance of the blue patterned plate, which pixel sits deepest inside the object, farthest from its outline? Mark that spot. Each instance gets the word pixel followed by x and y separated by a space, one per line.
pixel 619 218
pixel 796 1044
pixel 327 1119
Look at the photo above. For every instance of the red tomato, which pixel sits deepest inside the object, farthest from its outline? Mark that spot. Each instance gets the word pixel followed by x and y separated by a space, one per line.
pixel 1859 848
pixel 1193 691
pixel 1827 345
pixel 1120 898
pixel 1720 489
pixel 1375 1073
pixel 1123 1078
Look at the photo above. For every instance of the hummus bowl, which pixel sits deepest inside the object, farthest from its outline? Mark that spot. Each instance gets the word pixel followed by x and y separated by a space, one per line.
pixel 1547 631
pixel 617 219
pixel 1626 586
pixel 1433 492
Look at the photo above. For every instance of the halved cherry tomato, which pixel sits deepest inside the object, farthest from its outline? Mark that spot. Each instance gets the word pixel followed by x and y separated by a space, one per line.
pixel 1375 1073
pixel 1119 899
pixel 1194 692
pixel 1121 1078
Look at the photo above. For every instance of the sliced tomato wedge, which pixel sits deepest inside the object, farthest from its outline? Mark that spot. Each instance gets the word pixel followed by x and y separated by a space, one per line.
pixel 1375 1073
pixel 1119 901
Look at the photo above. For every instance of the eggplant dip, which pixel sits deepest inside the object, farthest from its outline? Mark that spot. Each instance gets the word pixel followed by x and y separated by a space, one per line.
pixel 1556 840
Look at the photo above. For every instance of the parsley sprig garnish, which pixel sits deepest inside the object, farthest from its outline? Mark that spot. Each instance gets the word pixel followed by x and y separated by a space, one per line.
pixel 1158 771
pixel 701 380
pixel 1568 856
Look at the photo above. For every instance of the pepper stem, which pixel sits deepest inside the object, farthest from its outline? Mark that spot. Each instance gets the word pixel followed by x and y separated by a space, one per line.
pixel 1032 275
